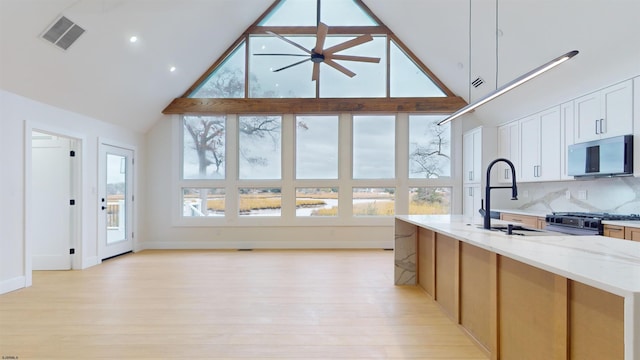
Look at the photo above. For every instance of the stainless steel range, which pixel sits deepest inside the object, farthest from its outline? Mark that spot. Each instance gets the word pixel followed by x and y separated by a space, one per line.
pixel 583 223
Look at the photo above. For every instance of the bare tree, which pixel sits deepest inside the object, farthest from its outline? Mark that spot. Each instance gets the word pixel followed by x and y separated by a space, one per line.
pixel 430 157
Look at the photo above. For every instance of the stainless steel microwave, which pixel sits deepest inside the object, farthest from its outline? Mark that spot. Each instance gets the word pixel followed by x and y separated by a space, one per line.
pixel 604 157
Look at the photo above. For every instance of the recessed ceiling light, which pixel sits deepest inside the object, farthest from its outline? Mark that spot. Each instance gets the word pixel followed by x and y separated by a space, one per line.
pixel 133 39
pixel 172 69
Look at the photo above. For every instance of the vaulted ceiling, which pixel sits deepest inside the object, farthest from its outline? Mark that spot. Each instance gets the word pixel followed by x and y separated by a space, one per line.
pixel 105 76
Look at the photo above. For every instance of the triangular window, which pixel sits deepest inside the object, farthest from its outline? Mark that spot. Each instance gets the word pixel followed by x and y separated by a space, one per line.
pixel 227 80
pixel 407 78
pixel 360 59
pixel 304 13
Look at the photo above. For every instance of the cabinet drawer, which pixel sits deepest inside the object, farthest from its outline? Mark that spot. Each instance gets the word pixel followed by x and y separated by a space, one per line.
pixel 531 221
pixel 613 231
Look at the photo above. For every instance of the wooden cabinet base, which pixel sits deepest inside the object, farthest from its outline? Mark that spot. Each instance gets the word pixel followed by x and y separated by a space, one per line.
pixel 517 311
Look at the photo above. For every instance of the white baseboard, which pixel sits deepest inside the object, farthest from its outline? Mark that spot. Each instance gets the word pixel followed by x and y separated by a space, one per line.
pixel 9 285
pixel 248 244
pixel 89 262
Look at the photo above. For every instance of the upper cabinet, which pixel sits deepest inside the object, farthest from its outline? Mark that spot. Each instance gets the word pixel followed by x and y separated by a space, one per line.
pixel 508 148
pixel 540 141
pixel 478 150
pixel 605 113
pixel 567 137
pixel 472 155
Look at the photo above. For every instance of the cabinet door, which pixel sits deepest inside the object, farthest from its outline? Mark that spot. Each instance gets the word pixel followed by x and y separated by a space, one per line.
pixel 508 148
pixel 530 148
pixel 587 117
pixel 617 110
pixel 566 137
pixel 550 145
pixel 472 156
pixel 472 198
pixel 632 233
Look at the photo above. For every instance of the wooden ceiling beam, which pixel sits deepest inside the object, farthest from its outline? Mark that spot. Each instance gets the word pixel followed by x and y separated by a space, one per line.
pixel 436 105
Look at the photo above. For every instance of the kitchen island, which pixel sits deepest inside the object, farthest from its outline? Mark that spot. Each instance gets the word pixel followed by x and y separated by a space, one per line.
pixel 526 297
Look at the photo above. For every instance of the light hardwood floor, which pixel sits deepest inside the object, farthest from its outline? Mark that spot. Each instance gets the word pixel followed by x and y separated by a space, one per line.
pixel 267 304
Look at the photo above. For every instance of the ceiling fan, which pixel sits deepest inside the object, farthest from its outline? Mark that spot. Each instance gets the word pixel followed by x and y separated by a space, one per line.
pixel 319 55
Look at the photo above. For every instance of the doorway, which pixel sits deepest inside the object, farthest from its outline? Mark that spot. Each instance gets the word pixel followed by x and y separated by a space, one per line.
pixel 115 218
pixel 53 209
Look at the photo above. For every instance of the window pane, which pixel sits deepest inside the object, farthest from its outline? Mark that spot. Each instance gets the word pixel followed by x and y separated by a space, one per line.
pixel 260 201
pixel 316 202
pixel 227 81
pixel 429 147
pixel 317 147
pixel 203 155
pixel 373 147
pixel 259 147
pixel 292 13
pixel 429 201
pixel 407 79
pixel 194 200
pixel 370 79
pixel 344 13
pixel 374 201
pixel 294 82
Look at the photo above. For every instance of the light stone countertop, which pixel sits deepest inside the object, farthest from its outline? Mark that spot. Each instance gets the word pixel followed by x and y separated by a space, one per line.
pixel 605 263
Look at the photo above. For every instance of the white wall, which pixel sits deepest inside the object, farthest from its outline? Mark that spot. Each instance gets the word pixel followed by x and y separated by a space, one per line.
pixel 18 115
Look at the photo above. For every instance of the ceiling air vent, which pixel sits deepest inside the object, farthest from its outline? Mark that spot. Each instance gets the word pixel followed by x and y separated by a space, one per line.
pixel 63 33
pixel 477 82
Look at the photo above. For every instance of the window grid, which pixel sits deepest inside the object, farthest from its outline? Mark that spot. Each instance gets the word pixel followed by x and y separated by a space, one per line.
pixel 401 186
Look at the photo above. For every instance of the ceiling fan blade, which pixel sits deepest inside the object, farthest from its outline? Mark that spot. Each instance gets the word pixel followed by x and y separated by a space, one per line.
pixel 290 42
pixel 281 55
pixel 323 30
pixel 353 58
pixel 339 67
pixel 292 65
pixel 349 44
pixel 316 72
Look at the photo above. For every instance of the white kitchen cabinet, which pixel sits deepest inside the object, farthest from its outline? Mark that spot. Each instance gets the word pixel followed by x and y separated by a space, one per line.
pixel 567 136
pixel 605 113
pixel 472 156
pixel 478 150
pixel 540 150
pixel 508 148
pixel 472 200
pixel 636 126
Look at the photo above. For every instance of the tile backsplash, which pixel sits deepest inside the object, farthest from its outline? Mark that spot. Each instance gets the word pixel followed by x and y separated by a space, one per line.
pixel 619 195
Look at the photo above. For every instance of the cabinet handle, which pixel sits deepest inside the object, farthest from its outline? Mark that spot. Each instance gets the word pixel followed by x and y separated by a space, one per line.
pixel 614 229
pixel 470 191
pixel 506 174
pixel 471 175
pixel 601 131
pixel 597 127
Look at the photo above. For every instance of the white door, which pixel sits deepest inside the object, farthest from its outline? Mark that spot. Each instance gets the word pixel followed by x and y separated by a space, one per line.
pixel 115 208
pixel 50 206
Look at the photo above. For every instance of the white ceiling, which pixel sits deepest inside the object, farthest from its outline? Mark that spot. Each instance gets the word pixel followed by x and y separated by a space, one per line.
pixel 104 76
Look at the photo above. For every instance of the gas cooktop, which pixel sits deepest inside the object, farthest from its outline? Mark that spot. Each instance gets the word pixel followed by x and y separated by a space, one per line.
pixel 583 223
pixel 600 216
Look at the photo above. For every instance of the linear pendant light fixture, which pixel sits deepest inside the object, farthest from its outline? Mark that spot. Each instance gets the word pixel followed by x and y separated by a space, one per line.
pixel 510 85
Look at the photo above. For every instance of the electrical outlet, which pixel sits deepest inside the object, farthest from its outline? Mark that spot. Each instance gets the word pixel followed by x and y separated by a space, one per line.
pixel 582 194
pixel 567 194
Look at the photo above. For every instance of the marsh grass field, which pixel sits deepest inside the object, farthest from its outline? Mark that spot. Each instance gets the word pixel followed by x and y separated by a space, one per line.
pixel 365 204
